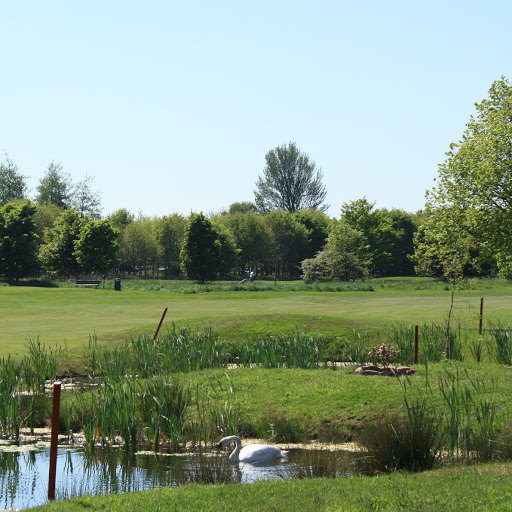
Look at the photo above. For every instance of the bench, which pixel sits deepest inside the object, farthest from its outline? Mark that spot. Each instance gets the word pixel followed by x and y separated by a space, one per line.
pixel 86 283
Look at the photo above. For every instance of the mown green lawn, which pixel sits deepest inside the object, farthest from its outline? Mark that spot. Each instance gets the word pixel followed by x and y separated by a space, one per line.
pixel 69 315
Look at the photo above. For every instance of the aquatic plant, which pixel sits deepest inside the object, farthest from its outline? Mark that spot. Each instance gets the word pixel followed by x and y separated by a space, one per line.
pixel 499 344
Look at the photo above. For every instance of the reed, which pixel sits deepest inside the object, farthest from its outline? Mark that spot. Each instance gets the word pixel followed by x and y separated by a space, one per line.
pixel 44 362
pixel 432 342
pixel 173 400
pixel 499 344
pixel 457 397
pixel 10 401
pixel 297 350
pixel 476 347
pixel 411 442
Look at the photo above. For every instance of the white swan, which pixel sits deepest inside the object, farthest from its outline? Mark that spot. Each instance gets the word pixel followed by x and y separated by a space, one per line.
pixel 252 452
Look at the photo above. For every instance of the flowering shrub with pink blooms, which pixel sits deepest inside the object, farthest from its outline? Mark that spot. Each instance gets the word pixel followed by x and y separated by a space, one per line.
pixel 383 355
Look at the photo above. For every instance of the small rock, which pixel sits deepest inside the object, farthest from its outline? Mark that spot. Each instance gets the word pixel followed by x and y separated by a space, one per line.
pixel 371 369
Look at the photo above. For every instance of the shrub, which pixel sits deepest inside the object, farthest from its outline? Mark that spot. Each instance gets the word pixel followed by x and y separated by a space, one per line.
pixel 409 442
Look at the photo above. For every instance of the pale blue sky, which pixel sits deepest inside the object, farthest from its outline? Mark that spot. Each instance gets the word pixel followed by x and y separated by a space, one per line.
pixel 172 106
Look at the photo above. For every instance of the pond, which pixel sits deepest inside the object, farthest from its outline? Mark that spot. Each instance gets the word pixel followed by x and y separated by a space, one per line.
pixel 24 474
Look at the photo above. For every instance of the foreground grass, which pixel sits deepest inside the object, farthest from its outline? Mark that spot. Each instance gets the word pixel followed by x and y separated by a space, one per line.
pixel 482 488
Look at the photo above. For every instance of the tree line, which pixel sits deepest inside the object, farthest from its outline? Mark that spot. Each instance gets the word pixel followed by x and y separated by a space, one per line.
pixel 464 229
pixel 40 239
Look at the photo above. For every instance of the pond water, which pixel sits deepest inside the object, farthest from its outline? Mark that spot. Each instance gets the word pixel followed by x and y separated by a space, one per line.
pixel 24 475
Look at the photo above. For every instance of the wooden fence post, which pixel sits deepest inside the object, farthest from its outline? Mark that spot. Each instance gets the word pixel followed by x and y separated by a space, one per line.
pixel 54 440
pixel 160 324
pixel 481 315
pixel 415 344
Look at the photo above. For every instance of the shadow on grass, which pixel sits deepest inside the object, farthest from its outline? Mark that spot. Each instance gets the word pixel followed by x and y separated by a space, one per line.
pixel 38 283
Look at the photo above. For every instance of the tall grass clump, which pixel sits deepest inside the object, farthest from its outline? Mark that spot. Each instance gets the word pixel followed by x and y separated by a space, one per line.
pixel 43 361
pixel 297 350
pixel 165 404
pixel 134 412
pixel 10 420
pixel 431 341
pixel 499 344
pixel 409 442
pixel 179 350
pixel 215 418
pixel 472 423
pixel 355 349
pixel 23 388
pixel 476 347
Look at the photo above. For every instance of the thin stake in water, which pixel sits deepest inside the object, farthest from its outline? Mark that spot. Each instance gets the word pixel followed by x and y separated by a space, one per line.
pixel 54 440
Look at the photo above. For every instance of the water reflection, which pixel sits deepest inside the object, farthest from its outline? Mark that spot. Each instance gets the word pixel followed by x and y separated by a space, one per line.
pixel 24 476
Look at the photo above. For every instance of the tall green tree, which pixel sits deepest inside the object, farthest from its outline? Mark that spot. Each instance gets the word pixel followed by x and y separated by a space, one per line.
pixel 252 238
pixel 120 218
pixel 289 242
pixel 445 247
pixel 96 249
pixel 58 251
pixel 55 187
pixel 473 191
pixel 318 225
pixel 45 217
pixel 18 240
pixel 375 227
pixel 290 181
pixel 403 230
pixel 85 200
pixel 242 207
pixel 200 255
pixel 12 183
pixel 169 232
pixel 344 258
pixel 139 248
pixel 228 252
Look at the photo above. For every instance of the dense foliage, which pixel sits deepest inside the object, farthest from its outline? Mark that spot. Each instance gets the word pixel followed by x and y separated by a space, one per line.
pixel 201 250
pixel 18 246
pixel 470 209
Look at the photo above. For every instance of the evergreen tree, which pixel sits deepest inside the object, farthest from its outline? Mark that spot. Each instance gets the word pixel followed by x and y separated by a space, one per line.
pixel 12 182
pixel 200 255
pixel 54 187
pixel 18 240
pixel 58 252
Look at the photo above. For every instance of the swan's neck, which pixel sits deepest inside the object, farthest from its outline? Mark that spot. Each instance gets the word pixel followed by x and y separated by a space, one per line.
pixel 235 454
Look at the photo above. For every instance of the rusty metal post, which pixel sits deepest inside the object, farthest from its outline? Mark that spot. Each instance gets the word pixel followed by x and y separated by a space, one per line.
pixel 415 344
pixel 481 315
pixel 54 440
pixel 160 324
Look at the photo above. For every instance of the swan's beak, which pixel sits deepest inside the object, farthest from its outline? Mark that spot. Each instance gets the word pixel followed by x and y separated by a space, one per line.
pixel 219 446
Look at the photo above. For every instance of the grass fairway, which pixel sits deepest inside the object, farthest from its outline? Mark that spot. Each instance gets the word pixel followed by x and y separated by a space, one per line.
pixel 70 315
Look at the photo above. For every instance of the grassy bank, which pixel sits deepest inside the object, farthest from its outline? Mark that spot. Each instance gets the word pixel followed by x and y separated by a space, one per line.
pixel 478 488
